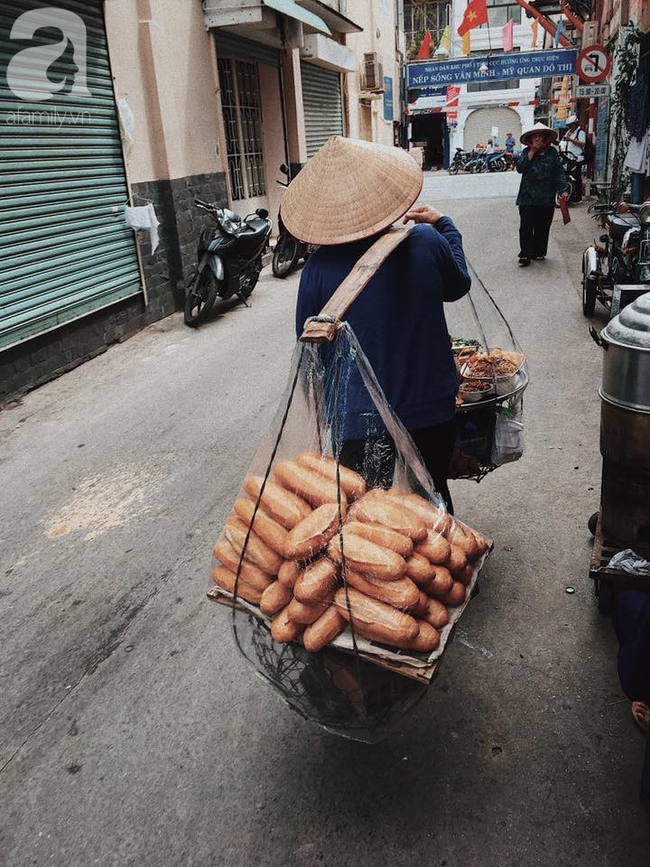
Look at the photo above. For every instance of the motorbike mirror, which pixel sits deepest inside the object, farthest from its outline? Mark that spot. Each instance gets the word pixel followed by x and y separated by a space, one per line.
pixel 284 168
pixel 262 212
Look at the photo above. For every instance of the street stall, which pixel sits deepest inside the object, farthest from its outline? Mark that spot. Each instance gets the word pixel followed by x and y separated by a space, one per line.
pixel 345 585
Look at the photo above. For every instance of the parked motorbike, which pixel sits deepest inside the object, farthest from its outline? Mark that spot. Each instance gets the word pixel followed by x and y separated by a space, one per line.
pixel 620 260
pixel 459 161
pixel 229 259
pixel 569 163
pixel 288 250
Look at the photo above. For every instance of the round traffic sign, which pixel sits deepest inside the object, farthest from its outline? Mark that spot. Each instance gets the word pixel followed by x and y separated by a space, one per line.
pixel 593 64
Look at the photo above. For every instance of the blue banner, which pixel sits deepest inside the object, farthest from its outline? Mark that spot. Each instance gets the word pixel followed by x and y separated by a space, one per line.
pixel 388 98
pixel 500 67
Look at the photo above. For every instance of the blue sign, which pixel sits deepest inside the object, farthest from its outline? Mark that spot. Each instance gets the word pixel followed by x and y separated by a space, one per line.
pixel 388 98
pixel 518 64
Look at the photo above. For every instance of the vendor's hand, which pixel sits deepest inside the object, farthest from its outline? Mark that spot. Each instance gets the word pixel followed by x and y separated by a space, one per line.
pixel 423 214
pixel 564 195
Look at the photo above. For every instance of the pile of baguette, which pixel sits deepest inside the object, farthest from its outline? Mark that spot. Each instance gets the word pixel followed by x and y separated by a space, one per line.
pixel 405 561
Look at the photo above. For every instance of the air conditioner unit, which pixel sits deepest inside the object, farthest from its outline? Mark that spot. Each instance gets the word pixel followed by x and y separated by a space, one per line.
pixel 372 79
pixel 589 33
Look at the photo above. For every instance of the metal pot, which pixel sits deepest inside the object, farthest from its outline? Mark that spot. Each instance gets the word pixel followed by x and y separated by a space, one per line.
pixel 626 366
pixel 625 427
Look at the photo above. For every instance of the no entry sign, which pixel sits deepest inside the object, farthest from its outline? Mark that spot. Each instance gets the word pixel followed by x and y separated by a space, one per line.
pixel 593 64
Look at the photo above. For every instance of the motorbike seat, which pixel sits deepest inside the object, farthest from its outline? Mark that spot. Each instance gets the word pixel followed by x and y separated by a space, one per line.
pixel 619 224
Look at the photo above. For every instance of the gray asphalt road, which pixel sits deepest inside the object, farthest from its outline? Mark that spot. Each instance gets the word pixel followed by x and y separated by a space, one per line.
pixel 131 731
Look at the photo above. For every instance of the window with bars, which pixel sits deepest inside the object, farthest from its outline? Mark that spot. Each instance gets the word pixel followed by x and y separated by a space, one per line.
pixel 423 15
pixel 242 120
pixel 500 12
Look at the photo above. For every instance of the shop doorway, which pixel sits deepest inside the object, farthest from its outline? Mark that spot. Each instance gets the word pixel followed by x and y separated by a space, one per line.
pixel 428 132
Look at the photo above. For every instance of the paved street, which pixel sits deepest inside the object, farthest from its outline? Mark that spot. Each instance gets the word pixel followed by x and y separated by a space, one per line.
pixel 131 731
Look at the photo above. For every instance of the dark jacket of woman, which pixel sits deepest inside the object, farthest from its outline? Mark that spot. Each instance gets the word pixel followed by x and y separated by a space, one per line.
pixel 542 178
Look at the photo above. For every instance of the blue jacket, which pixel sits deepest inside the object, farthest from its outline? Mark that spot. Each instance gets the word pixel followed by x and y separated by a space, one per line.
pixel 399 321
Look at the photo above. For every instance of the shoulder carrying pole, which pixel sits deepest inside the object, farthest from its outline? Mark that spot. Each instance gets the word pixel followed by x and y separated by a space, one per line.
pixel 323 327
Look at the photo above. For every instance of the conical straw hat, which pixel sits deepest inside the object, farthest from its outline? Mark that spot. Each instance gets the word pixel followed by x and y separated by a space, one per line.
pixel 539 127
pixel 350 190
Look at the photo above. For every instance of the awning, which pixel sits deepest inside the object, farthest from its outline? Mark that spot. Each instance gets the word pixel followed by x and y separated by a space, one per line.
pixel 292 10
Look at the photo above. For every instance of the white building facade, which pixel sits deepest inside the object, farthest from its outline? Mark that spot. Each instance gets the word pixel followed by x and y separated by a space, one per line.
pixel 485 109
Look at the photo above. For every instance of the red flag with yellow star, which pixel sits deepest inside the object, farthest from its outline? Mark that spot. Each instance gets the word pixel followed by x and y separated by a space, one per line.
pixel 475 14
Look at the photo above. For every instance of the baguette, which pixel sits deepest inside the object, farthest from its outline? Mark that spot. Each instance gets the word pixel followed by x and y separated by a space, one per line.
pixel 464 539
pixel 269 531
pixel 312 534
pixel 300 612
pixel 275 597
pixel 289 572
pixel 435 548
pixel 252 575
pixel 225 579
pixel 377 507
pixel 436 614
pixel 324 630
pixel 456 595
pixel 402 594
pixel 283 506
pixel 419 569
pixel 383 536
pixel 284 630
pixel 308 485
pixel 352 483
pixel 256 551
pixel 440 583
pixel 422 606
pixel 457 561
pixel 435 518
pixel 465 576
pixel 317 582
pixel 366 557
pixel 426 640
pixel 374 619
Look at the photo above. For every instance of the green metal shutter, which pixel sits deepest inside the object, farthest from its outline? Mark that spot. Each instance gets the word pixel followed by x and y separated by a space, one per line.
pixel 321 99
pixel 230 45
pixel 65 250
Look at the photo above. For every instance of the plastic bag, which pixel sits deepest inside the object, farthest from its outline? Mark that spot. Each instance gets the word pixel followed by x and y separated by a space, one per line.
pixel 346 589
pixel 508 437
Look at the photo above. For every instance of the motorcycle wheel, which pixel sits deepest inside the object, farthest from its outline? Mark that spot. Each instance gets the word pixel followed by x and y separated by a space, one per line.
pixel 200 297
pixel 501 165
pixel 250 282
pixel 453 169
pixel 285 255
pixel 589 295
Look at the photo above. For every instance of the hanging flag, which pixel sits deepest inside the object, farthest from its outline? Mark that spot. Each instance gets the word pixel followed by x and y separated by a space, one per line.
pixel 558 33
pixel 507 35
pixel 534 27
pixel 423 51
pixel 474 15
pixel 465 43
pixel 445 41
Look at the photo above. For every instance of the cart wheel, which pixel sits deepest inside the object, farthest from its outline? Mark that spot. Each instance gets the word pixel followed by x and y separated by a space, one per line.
pixel 589 294
pixel 606 599
pixel 592 523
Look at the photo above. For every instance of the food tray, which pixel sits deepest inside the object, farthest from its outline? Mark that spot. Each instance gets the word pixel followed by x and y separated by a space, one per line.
pixel 493 400
pixel 417 666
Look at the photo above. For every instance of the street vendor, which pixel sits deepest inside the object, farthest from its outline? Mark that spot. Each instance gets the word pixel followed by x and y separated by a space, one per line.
pixel 349 193
pixel 542 180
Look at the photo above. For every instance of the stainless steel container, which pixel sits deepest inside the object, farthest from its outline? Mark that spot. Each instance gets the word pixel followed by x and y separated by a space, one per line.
pixel 626 369
pixel 625 427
